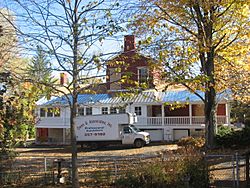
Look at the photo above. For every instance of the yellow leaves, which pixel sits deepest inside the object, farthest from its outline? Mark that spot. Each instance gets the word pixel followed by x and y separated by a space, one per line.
pixel 175 105
pixel 84 20
pixel 80 62
pixel 234 73
pixel 247 66
pixel 122 81
pixel 245 11
pixel 117 70
pixel 26 85
pixel 115 63
pixel 172 28
pixel 97 60
pixel 161 55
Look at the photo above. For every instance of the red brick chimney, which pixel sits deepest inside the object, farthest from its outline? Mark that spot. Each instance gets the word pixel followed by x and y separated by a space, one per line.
pixel 129 43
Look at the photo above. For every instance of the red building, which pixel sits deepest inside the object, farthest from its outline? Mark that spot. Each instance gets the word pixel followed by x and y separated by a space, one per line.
pixel 130 69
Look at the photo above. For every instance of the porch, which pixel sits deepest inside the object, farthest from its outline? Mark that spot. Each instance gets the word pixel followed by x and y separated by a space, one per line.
pixel 176 121
pixel 185 115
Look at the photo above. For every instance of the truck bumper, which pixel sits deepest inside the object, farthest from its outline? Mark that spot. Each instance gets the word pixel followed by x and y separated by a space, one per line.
pixel 147 140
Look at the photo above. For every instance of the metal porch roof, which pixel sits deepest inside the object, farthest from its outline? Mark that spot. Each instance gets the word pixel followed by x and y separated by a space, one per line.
pixel 141 98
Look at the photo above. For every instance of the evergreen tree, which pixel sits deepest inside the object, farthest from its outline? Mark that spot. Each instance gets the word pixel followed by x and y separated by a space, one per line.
pixel 39 67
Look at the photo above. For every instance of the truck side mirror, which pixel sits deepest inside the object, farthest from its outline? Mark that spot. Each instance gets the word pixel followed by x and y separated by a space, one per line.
pixel 120 132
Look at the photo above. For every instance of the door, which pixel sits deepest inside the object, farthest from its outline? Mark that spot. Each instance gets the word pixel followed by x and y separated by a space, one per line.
pixel 155 135
pixel 180 133
pixel 42 134
pixel 127 136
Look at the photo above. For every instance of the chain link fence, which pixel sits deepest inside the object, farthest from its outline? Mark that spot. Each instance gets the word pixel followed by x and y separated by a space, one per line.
pixel 228 170
pixel 224 170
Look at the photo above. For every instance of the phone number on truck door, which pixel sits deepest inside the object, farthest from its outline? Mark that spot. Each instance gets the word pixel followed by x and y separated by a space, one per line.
pixel 94 134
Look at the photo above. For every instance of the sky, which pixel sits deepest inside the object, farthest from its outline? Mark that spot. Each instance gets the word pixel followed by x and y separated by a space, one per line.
pixel 111 44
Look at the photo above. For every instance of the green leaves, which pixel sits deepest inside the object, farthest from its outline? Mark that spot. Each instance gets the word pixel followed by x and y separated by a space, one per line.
pixel 39 67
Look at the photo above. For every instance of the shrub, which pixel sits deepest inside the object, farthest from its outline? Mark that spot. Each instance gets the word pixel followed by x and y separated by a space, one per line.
pixel 228 137
pixel 224 130
pixel 182 169
pixel 192 142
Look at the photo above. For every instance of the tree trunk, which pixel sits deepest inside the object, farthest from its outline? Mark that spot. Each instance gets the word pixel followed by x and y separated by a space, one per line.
pixel 75 74
pixel 210 98
pixel 75 178
pixel 210 117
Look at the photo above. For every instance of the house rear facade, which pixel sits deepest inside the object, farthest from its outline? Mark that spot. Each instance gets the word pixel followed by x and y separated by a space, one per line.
pixel 166 115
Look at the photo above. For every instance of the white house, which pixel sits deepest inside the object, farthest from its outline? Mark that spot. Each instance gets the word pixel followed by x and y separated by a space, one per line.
pixel 167 116
pixel 156 111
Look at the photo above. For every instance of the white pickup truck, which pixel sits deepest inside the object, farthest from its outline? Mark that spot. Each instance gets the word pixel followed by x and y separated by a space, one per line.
pixel 100 130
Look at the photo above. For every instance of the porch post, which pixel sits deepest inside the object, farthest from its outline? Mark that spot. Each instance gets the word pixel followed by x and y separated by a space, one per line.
pixel 227 113
pixel 162 114
pixel 63 135
pixel 190 113
pixel 37 134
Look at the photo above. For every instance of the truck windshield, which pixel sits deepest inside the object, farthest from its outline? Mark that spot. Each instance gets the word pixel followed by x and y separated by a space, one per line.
pixel 135 129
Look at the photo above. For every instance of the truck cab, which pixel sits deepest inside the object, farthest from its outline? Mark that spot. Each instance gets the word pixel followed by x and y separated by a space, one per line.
pixel 132 135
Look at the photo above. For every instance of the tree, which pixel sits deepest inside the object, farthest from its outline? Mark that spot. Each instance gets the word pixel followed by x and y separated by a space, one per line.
pixel 238 79
pixel 39 72
pixel 16 115
pixel 197 41
pixel 68 31
pixel 8 42
pixel 240 112
pixel 39 67
pixel 13 109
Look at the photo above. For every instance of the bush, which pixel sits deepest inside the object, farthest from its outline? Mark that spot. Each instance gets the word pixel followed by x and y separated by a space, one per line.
pixel 224 130
pixel 183 169
pixel 227 137
pixel 192 142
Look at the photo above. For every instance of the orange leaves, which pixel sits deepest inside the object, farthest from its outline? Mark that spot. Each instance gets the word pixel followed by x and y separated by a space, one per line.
pixel 26 85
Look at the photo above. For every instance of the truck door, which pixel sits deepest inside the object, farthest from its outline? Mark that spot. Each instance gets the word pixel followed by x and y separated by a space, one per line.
pixel 127 136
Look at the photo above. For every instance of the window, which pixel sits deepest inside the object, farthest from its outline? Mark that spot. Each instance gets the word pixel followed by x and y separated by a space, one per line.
pixel 57 112
pixel 89 111
pixel 114 77
pixel 113 110
pixel 105 110
pixel 127 130
pixel 143 75
pixel 42 112
pixel 138 110
pixel 50 112
pixel 81 111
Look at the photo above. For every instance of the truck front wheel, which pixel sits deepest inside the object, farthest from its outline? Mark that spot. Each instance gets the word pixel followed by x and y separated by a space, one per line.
pixel 139 143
